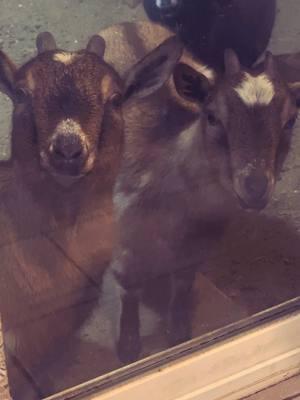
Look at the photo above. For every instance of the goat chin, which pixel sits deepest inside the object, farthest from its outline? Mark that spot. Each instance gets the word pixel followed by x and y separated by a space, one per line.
pixel 66 181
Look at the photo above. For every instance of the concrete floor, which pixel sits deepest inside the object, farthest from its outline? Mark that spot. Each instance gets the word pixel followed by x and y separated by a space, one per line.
pixel 272 249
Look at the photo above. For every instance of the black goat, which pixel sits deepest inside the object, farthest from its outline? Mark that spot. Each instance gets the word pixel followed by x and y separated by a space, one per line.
pixel 208 27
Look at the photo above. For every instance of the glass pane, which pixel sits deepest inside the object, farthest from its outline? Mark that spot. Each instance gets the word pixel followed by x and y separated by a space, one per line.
pixel 197 240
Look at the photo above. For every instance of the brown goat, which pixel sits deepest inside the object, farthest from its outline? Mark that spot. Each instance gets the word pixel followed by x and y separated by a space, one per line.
pixel 67 140
pixel 68 123
pixel 188 165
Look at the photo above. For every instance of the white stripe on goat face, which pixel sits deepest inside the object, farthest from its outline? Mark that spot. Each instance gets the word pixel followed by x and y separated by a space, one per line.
pixel 255 90
pixel 65 57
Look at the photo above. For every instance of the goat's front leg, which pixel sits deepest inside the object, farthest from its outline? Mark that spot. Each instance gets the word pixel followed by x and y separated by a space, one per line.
pixel 179 319
pixel 129 342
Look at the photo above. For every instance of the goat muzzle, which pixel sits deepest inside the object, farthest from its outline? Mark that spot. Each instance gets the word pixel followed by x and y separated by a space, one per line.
pixel 68 154
pixel 254 189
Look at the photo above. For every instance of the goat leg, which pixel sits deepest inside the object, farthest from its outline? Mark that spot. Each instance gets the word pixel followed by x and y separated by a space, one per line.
pixel 129 342
pixel 179 321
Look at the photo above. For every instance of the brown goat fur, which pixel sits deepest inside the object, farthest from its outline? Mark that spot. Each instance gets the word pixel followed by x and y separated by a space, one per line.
pixel 67 139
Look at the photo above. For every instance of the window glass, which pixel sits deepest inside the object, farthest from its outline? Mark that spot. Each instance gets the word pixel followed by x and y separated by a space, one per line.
pixel 148 195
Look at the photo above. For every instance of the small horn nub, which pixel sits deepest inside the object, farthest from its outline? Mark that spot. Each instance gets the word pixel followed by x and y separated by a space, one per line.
pixel 96 45
pixel 270 64
pixel 231 62
pixel 45 42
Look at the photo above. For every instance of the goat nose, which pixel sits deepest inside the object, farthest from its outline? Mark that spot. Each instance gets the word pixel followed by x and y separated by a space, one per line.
pixel 68 147
pixel 256 185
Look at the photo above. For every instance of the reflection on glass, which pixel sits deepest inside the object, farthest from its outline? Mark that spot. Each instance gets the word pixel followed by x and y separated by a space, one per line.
pixel 130 208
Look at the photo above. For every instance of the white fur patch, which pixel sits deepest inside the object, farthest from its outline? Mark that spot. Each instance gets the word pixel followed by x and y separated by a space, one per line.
pixel 207 72
pixel 123 200
pixel 145 179
pixel 70 126
pixel 255 90
pixel 65 57
pixel 187 137
pixel 103 325
pixel 203 69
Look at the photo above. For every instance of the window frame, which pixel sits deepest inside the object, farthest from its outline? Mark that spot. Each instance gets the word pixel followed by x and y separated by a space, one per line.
pixel 269 338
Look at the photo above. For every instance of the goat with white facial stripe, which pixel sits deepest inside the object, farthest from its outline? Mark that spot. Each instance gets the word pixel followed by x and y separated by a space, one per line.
pixel 187 167
pixel 248 118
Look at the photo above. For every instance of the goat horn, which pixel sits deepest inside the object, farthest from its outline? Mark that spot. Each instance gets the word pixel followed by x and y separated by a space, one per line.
pixel 96 45
pixel 231 62
pixel 45 42
pixel 270 65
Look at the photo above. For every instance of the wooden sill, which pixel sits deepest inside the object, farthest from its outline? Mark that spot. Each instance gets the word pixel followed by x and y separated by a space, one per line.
pixel 227 369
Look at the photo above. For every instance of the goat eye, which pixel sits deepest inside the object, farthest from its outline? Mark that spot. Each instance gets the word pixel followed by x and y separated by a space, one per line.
pixel 211 119
pixel 116 100
pixel 21 95
pixel 290 124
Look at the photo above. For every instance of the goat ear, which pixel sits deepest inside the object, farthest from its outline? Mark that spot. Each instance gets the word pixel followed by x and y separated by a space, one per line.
pixel 149 74
pixel 295 89
pixel 190 83
pixel 96 45
pixel 7 75
pixel 231 62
